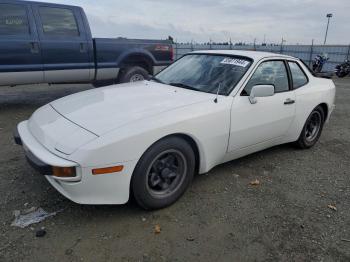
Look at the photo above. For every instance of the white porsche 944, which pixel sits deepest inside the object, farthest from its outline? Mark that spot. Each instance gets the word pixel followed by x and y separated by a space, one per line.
pixel 149 138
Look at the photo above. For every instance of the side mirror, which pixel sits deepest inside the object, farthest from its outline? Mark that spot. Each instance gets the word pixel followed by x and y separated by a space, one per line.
pixel 261 91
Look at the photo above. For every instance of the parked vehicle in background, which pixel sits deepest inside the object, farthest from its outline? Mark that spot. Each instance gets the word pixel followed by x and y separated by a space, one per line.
pixel 343 69
pixel 318 62
pixel 149 138
pixel 52 43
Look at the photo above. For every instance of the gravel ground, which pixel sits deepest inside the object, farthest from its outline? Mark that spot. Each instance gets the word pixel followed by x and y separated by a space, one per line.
pixel 220 218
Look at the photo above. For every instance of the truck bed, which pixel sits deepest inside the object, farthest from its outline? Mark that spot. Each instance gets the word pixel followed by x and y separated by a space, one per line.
pixel 111 51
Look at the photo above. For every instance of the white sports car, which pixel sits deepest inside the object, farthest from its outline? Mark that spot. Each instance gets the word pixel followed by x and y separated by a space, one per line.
pixel 151 137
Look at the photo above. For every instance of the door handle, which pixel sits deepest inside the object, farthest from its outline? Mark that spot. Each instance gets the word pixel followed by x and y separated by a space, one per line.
pixel 289 101
pixel 34 47
pixel 82 48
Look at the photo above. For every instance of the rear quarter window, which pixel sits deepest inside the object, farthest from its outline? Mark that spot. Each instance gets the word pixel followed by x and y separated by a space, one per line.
pixel 13 20
pixel 298 76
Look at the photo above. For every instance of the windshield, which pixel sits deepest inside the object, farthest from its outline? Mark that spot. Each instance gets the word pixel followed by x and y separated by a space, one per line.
pixel 205 73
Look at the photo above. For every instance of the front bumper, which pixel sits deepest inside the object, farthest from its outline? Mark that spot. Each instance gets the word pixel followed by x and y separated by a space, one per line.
pixel 86 188
pixel 16 137
pixel 34 162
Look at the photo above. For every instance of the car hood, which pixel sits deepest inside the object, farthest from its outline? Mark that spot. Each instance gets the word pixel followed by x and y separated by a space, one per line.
pixel 105 109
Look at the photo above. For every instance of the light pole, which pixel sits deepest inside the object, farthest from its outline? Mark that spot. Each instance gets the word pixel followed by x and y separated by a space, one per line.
pixel 325 37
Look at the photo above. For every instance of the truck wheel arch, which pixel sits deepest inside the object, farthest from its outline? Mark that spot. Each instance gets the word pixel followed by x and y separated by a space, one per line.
pixel 141 59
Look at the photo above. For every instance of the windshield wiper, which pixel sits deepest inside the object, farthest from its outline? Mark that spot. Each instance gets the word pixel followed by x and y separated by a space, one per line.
pixel 184 86
pixel 156 80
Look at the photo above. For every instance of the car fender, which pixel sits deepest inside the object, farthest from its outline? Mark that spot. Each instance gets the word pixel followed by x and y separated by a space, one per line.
pixel 318 91
pixel 207 123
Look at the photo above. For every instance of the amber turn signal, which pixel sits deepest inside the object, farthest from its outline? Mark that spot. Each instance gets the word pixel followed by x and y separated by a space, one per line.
pixel 107 170
pixel 63 171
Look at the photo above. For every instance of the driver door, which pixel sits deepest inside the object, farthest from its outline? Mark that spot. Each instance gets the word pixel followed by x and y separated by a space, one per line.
pixel 270 117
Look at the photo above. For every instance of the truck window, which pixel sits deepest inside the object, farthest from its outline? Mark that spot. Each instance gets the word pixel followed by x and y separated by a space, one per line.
pixel 13 20
pixel 58 21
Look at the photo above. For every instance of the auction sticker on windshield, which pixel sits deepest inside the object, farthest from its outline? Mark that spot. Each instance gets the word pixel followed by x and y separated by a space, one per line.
pixel 235 61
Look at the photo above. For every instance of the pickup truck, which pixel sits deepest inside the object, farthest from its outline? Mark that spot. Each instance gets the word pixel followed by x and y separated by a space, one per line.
pixel 52 43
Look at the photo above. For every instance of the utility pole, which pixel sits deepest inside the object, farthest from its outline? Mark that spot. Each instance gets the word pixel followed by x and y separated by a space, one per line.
pixel 325 37
pixel 311 52
pixel 283 40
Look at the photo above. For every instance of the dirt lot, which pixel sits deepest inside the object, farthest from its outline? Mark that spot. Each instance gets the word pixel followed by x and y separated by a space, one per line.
pixel 220 218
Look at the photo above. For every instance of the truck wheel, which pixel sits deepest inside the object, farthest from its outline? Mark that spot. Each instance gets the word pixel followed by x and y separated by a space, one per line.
pixel 133 74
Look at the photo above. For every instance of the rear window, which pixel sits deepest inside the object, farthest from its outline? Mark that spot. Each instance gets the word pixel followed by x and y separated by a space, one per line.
pixel 58 21
pixel 13 20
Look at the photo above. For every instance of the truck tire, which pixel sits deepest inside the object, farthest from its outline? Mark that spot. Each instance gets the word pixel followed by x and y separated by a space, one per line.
pixel 133 74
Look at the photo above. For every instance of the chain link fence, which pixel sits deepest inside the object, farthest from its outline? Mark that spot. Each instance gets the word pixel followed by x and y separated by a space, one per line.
pixel 337 53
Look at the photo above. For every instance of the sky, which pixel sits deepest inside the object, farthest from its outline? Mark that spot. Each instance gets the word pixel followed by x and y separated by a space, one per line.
pixel 297 21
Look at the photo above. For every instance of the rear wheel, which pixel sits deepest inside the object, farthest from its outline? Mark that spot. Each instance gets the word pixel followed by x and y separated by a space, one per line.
pixel 133 74
pixel 312 129
pixel 341 73
pixel 163 173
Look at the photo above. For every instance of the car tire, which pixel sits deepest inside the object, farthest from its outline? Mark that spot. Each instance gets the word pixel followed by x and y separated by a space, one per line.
pixel 133 74
pixel 163 173
pixel 312 129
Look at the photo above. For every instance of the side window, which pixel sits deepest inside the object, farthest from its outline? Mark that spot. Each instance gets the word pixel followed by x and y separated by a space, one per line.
pixel 13 20
pixel 298 75
pixel 58 21
pixel 270 73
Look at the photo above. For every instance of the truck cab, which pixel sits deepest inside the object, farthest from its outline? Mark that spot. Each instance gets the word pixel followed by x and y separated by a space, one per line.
pixel 52 43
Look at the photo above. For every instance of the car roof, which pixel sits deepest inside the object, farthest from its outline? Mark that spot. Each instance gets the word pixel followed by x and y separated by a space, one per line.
pixel 255 55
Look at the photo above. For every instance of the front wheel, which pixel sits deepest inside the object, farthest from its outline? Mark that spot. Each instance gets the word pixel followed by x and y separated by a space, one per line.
pixel 163 173
pixel 312 129
pixel 341 74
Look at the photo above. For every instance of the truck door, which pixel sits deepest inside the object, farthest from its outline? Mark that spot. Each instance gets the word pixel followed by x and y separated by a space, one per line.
pixel 20 56
pixel 65 47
